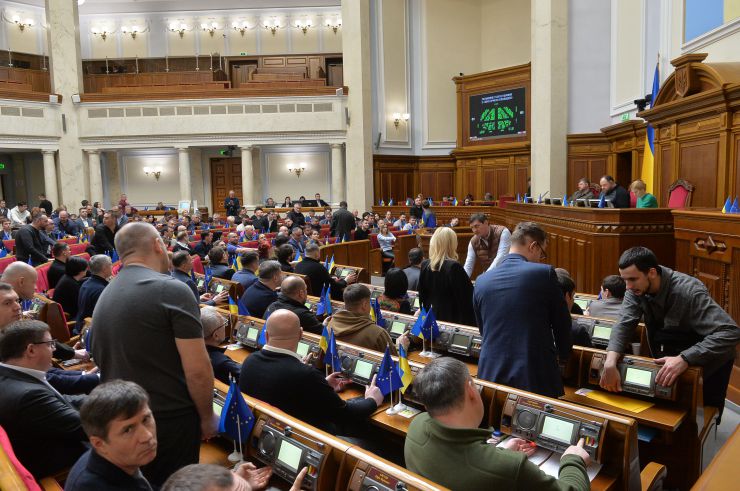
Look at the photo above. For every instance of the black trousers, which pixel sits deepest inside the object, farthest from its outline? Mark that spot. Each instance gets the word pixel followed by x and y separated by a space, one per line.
pixel 715 387
pixel 178 445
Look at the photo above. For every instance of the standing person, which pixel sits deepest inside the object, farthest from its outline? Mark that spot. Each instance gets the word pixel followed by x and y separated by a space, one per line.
pixel 685 326
pixel 413 270
pixel 520 310
pixel 489 246
pixel 342 222
pixel 416 209
pixel 3 209
pixel 386 241
pixel 231 203
pixel 45 204
pixel 644 199
pixel 159 345
pixel 103 241
pixel 29 244
pixel 443 284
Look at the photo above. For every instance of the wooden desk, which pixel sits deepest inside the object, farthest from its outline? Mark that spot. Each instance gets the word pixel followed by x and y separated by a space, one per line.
pixel 722 472
pixel 443 213
pixel 588 241
pixel 471 364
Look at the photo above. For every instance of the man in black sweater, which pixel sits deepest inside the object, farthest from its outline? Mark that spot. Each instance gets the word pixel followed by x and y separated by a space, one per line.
pixel 28 242
pixel 299 220
pixel 611 191
pixel 319 276
pixel 342 222
pixel 292 296
pixel 61 252
pixel 277 376
pixel 105 233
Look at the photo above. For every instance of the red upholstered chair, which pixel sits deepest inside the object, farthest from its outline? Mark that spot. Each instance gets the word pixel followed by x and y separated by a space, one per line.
pixel 5 262
pixel 633 200
pixel 198 265
pixel 679 194
pixel 84 255
pixel 9 245
pixel 116 268
pixel 42 283
pixel 75 249
pixel 14 475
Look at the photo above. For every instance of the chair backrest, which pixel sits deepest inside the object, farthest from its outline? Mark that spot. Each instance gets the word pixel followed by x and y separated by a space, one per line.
pixel 5 262
pixel 633 200
pixel 42 283
pixel 13 476
pixel 198 265
pixel 10 245
pixel 75 249
pixel 679 194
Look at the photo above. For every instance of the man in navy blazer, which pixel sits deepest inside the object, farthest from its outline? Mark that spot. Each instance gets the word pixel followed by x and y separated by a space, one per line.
pixel 101 268
pixel 523 318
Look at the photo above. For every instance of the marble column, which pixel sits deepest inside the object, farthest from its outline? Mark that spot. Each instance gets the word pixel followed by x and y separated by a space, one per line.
pixel 50 176
pixel 357 58
pixel 113 174
pixel 247 176
pixel 549 106
pixel 65 67
pixel 96 176
pixel 184 168
pixel 338 178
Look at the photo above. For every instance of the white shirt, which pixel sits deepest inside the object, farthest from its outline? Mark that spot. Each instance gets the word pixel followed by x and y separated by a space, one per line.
pixel 503 250
pixel 37 374
pixel 274 349
pixel 17 217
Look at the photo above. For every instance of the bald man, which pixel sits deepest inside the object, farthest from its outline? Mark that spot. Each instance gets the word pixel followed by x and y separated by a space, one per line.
pixel 148 330
pixel 293 295
pixel 276 375
pixel 22 277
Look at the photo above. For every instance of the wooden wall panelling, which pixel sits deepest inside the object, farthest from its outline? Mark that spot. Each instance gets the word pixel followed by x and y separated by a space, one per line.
pixel 698 162
pixel 225 175
pixel 588 156
pixel 521 174
pixel 736 153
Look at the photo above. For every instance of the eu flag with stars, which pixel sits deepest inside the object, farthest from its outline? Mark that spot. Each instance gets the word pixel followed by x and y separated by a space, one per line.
pixel 236 418
pixel 430 328
pixel 332 354
pixel 262 339
pixel 207 277
pixel 388 379
pixel 602 201
pixel 416 328
pixel 320 306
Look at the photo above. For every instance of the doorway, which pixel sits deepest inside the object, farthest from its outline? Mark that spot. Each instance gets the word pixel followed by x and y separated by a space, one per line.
pixel 226 175
pixel 623 170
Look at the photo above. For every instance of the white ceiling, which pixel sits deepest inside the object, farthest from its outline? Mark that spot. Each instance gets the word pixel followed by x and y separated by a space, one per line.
pixel 141 6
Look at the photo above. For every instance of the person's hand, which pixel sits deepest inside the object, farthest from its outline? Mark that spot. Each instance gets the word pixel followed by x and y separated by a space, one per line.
pixel 610 378
pixel 299 480
pixel 92 371
pixel 209 426
pixel 81 354
pixel 673 367
pixel 351 278
pixel 578 450
pixel 206 297
pixel 256 478
pixel 403 341
pixel 221 297
pixel 309 359
pixel 337 381
pixel 372 392
pixel 520 445
pixel 326 320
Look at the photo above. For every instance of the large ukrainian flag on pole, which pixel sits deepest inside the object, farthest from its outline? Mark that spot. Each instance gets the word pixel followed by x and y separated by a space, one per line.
pixel 648 160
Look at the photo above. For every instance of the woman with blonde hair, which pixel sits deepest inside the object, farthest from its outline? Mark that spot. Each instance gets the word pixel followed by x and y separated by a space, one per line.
pixel 644 199
pixel 443 284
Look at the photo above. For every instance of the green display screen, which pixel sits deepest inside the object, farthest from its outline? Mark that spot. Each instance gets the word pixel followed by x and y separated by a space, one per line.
pixel 219 288
pixel 217 408
pixel 398 327
pixel 582 302
pixel 602 332
pixel 200 283
pixel 252 333
pixel 499 114
pixel 416 303
pixel 557 429
pixel 289 454
pixel 638 377
pixel 363 369
pixel 344 273
pixel 302 349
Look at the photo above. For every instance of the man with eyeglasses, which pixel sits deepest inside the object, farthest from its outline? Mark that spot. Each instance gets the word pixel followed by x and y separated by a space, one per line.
pixel 214 335
pixel 523 318
pixel 43 425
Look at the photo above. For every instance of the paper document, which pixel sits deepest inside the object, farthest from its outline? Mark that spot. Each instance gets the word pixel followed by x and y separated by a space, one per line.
pixel 552 465
pixel 622 402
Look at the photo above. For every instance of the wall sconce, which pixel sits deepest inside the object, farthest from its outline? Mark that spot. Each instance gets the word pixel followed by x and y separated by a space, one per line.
pixel 211 28
pixel 240 26
pixel 398 117
pixel 22 24
pixel 179 28
pixel 298 170
pixel 103 33
pixel 154 171
pixel 304 25
pixel 133 31
pixel 273 25
pixel 334 24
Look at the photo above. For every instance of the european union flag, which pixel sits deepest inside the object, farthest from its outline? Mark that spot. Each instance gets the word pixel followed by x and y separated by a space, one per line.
pixel 379 320
pixel 3 252
pixel 416 328
pixel 208 276
pixel 262 339
pixel 429 328
pixel 236 418
pixel 602 201
pixel 332 354
pixel 388 379
pixel 320 306
pixel 735 208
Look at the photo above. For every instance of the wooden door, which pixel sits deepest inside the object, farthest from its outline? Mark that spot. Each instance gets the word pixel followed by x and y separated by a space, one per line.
pixel 226 175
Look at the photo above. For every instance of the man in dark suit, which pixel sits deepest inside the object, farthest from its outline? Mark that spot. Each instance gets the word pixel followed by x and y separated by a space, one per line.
pixel 260 295
pixel 28 242
pixel 259 220
pixel 203 247
pixel 105 233
pixel 319 276
pixel 214 335
pixel 297 240
pixel 299 220
pixel 277 376
pixel 182 265
pixel 293 295
pixel 60 251
pixel 64 226
pixel 218 261
pixel 611 191
pixel 520 311
pixel 43 426
pixel 101 269
pixel 231 203
pixel 271 222
pixel 342 222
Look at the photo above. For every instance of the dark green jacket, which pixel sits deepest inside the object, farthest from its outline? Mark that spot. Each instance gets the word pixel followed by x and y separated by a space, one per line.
pixel 460 459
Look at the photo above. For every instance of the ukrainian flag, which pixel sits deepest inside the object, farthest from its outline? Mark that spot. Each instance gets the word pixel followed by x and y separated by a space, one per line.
pixel 648 159
pixel 404 369
pixel 727 207
pixel 233 307
pixel 324 341
pixel 331 263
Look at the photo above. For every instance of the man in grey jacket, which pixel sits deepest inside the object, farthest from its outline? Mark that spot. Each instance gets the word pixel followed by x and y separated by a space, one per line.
pixel 685 326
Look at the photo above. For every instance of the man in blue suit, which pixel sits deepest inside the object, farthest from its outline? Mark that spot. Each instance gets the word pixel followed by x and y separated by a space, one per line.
pixel 523 318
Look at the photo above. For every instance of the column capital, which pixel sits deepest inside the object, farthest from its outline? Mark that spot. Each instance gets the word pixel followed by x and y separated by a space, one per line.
pixel 93 151
pixel 49 152
pixel 335 146
pixel 246 147
pixel 182 149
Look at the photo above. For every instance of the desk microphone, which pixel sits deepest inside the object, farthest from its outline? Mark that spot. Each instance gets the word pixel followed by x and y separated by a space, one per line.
pixel 545 193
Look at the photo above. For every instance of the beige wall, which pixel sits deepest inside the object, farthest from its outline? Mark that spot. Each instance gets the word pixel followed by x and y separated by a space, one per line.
pixel 395 63
pixel 721 50
pixel 628 59
pixel 141 188
pixel 505 33
pixel 281 183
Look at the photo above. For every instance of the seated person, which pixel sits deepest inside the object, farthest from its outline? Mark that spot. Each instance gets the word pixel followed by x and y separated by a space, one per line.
pixel 579 333
pixel 217 260
pixel 297 240
pixel 60 252
pixel 214 334
pixel 285 255
pixel 317 274
pixel 123 438
pixel 454 222
pixel 261 294
pixel 211 477
pixel 277 376
pixel 446 444
pixel 412 225
pixel 250 262
pixel 412 271
pixel 293 295
pixel 362 232
pixel 644 199
pixel 101 268
pixel 395 294
pixel 182 243
pixel 584 190
pixel 401 222
pixel 182 269
pixel 203 247
pixel 67 291
pixel 43 427
pixel 613 289
pixel 353 323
